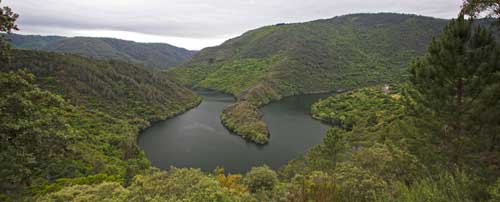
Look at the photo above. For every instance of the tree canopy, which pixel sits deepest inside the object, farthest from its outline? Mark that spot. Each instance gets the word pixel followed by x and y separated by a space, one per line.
pixel 474 8
pixel 7 24
pixel 456 83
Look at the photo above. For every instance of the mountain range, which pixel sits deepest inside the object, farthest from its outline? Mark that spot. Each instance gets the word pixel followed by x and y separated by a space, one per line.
pixel 71 111
pixel 153 55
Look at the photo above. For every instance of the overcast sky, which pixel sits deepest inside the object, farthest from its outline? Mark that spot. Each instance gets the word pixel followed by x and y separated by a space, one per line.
pixel 195 24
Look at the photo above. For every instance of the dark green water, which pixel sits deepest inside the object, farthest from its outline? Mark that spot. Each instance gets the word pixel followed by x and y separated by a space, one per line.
pixel 198 139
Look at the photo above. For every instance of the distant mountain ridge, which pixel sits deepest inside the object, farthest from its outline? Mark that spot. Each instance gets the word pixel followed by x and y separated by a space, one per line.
pixel 369 42
pixel 153 55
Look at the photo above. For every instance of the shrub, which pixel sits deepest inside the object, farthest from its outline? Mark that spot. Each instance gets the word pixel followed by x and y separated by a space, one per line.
pixel 261 179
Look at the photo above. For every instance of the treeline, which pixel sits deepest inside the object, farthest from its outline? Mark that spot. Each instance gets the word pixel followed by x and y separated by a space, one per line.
pixel 433 139
pixel 120 89
pixel 152 55
pixel 70 120
pixel 417 141
pixel 47 141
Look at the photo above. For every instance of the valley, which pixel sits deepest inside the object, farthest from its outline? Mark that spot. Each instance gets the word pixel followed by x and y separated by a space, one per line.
pixel 341 53
pixel 365 107
pixel 198 139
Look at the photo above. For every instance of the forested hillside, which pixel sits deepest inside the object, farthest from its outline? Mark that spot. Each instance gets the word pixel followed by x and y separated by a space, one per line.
pixel 154 55
pixel 69 120
pixel 121 89
pixel 65 116
pixel 31 41
pixel 341 53
pixel 47 142
pixel 433 138
pixel 402 128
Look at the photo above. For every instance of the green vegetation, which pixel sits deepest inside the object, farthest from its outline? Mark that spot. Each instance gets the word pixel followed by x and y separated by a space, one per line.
pixel 456 83
pixel 347 108
pixel 79 142
pixel 120 89
pixel 71 121
pixel 243 118
pixel 389 161
pixel 68 125
pixel 243 74
pixel 50 143
pixel 341 53
pixel 445 187
pixel 475 8
pixel 174 185
pixel 31 42
pixel 7 24
pixel 261 178
pixel 416 144
pixel 153 55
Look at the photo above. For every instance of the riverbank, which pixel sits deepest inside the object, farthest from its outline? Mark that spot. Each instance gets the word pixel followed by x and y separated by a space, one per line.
pixel 245 120
pixel 244 117
pixel 186 108
pixel 198 139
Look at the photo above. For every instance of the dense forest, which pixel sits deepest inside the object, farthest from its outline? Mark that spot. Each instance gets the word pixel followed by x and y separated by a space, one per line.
pixel 68 120
pixel 120 89
pixel 425 130
pixel 153 55
pixel 341 53
pixel 47 142
pixel 65 117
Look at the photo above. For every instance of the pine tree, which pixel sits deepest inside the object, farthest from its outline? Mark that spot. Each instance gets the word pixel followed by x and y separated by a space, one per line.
pixel 458 84
pixel 7 24
pixel 474 8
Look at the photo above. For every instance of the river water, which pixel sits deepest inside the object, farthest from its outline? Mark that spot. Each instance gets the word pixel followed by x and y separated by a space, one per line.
pixel 198 139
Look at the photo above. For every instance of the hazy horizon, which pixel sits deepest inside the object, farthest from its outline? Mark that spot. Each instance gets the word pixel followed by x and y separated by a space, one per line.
pixel 196 24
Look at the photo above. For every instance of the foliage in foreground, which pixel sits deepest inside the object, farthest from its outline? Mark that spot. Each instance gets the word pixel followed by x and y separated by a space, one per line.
pixel 389 155
pixel 426 146
pixel 45 139
pixel 7 24
pixel 475 8
pixel 368 163
pixel 457 84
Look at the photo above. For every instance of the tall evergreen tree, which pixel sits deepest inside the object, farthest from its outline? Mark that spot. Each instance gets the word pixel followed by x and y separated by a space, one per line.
pixel 458 84
pixel 7 24
pixel 474 8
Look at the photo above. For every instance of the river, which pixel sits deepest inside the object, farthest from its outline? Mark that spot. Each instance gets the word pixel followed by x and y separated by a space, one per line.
pixel 198 139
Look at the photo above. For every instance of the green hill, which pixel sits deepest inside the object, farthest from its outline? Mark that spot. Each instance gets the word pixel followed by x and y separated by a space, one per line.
pixel 121 89
pixel 34 42
pixel 64 116
pixel 272 62
pixel 155 55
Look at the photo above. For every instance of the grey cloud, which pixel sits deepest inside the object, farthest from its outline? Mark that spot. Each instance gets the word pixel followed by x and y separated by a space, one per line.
pixel 204 18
